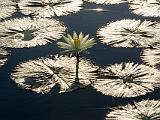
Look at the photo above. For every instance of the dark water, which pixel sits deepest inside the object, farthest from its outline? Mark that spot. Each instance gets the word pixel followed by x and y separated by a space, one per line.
pixel 82 104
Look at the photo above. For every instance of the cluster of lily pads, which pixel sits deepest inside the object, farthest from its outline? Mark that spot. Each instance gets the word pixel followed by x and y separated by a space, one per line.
pixel 39 27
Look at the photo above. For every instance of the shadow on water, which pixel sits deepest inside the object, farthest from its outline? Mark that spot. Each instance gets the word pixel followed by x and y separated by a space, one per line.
pixel 81 104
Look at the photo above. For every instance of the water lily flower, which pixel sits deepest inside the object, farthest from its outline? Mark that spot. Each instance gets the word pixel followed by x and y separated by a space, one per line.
pixel 76 43
pixel 7 7
pixel 127 80
pixel 43 74
pixel 27 32
pixel 150 8
pixel 49 8
pixel 130 33
pixel 107 1
pixel 144 110
pixel 3 56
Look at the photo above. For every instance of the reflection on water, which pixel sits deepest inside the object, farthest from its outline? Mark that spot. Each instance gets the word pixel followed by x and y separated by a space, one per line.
pixel 43 74
pixel 144 110
pixel 98 10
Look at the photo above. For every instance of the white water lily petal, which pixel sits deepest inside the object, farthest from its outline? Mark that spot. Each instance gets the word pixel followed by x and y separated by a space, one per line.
pixel 107 1
pixel 83 41
pixel 149 8
pixel 77 43
pixel 65 46
pixel 89 43
pixel 49 8
pixel 69 41
pixel 75 35
pixel 43 74
pixel 3 56
pixel 127 80
pixel 144 110
pixel 151 56
pixel 27 32
pixel 7 8
pixel 130 33
pixel 81 36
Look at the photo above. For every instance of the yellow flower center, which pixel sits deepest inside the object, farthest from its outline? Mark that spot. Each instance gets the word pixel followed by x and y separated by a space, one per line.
pixel 76 42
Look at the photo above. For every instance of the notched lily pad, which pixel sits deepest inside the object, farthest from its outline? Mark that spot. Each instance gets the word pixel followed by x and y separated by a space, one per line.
pixel 149 8
pixel 127 80
pixel 27 32
pixel 129 33
pixel 49 8
pixel 151 57
pixel 43 74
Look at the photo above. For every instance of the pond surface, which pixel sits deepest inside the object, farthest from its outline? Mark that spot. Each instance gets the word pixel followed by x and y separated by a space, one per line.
pixel 81 104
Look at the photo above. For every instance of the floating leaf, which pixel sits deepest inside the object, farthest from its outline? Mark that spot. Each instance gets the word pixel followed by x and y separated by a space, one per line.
pixel 144 110
pixel 151 56
pixel 149 8
pixel 49 8
pixel 130 33
pixel 3 56
pixel 127 80
pixel 26 32
pixel 7 8
pixel 43 74
pixel 107 1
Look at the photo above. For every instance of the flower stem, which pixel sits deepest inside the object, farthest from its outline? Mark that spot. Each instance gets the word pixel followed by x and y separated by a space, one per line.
pixel 77 66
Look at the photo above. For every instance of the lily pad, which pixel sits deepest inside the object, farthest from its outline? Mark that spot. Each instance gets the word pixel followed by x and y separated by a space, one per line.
pixel 127 80
pixel 130 33
pixel 43 74
pixel 151 56
pixel 49 8
pixel 3 56
pixel 144 110
pixel 27 32
pixel 7 8
pixel 149 8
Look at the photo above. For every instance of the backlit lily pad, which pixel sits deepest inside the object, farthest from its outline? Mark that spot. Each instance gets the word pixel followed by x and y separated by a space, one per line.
pixel 127 80
pixel 144 110
pixel 3 56
pixel 129 33
pixel 149 8
pixel 43 74
pixel 26 32
pixel 151 56
pixel 7 7
pixel 49 8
